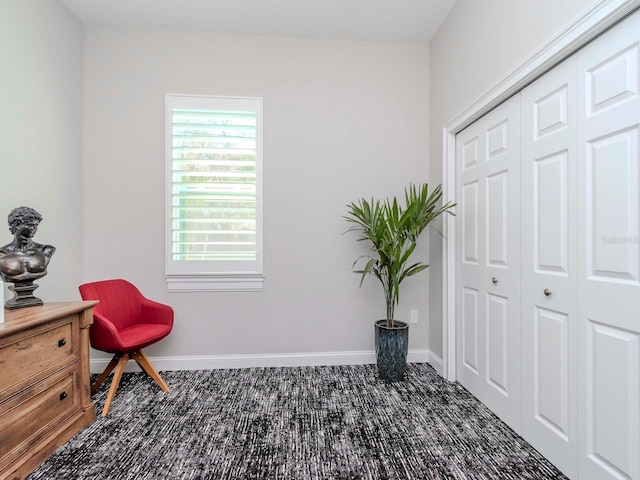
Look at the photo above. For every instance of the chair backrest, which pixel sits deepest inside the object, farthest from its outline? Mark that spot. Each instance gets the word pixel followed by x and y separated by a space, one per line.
pixel 119 300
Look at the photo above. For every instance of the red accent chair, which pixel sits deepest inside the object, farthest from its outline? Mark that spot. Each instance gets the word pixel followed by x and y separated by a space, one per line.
pixel 125 322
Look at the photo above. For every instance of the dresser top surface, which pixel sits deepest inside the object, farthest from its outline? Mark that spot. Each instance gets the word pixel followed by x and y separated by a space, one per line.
pixel 25 318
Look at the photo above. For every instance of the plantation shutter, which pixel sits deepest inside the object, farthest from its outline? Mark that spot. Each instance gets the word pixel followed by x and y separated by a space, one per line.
pixel 213 169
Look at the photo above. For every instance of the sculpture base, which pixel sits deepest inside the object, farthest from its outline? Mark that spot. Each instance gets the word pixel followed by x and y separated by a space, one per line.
pixel 23 297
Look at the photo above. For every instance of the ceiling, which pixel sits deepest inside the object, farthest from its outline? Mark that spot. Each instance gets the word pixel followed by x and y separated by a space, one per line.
pixel 370 20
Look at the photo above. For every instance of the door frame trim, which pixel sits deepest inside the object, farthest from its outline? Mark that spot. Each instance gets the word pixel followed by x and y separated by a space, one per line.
pixel 589 24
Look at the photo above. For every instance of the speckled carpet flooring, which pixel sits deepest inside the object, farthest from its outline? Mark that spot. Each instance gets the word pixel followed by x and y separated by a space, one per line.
pixel 295 423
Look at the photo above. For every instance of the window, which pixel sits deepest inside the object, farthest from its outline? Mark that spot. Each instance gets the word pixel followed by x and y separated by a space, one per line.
pixel 214 193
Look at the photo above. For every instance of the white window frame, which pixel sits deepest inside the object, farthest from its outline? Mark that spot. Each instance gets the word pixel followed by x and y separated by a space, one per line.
pixel 203 276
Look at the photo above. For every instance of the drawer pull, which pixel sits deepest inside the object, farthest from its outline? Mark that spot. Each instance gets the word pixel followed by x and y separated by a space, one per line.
pixel 62 342
pixel 63 395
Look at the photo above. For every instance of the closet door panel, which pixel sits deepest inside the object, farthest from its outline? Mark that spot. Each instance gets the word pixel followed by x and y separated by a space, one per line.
pixel 498 219
pixel 470 331
pixel 487 162
pixel 551 331
pixel 549 285
pixel 497 343
pixel 550 212
pixel 612 186
pixel 609 254
pixel 470 222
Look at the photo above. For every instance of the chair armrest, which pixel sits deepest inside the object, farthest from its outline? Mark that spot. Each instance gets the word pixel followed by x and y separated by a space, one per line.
pixel 104 334
pixel 154 312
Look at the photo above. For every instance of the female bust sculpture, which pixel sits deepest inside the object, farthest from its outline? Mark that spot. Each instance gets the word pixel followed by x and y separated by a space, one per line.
pixel 23 260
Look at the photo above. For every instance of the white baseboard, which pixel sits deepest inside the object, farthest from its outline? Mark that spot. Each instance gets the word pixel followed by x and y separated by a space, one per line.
pixel 212 362
pixel 435 362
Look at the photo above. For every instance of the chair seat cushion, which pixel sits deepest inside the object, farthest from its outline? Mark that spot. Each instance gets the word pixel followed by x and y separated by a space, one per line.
pixel 142 335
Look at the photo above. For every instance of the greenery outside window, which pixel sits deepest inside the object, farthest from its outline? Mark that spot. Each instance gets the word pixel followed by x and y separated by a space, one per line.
pixel 214 193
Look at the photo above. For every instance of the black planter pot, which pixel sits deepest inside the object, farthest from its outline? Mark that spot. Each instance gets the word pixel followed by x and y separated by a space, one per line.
pixel 392 345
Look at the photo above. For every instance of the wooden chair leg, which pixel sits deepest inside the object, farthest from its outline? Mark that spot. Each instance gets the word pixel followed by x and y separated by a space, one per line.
pixel 122 361
pixel 103 376
pixel 145 364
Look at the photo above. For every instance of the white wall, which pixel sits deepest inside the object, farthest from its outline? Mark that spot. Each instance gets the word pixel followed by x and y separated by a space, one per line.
pixel 479 44
pixel 41 53
pixel 342 119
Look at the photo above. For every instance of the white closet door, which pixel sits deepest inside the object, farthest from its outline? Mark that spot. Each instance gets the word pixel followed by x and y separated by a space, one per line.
pixel 609 254
pixel 549 266
pixel 488 338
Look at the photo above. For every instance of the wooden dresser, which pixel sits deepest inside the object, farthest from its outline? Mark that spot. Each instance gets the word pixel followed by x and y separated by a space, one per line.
pixel 44 382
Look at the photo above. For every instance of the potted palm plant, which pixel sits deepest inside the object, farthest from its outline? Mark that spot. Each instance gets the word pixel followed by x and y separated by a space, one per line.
pixel 393 231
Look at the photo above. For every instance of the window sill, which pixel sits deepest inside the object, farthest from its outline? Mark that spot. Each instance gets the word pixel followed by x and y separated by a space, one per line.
pixel 216 283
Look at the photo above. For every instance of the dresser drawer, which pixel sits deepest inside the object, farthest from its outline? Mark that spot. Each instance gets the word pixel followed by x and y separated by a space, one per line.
pixel 32 354
pixel 34 413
